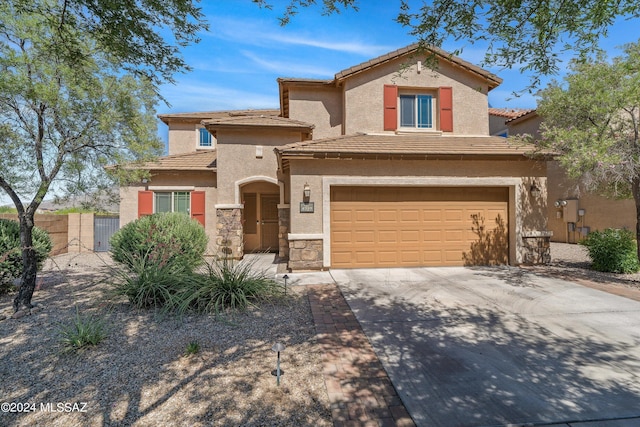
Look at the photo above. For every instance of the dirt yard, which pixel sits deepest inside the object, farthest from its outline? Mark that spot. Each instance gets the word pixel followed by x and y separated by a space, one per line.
pixel 139 375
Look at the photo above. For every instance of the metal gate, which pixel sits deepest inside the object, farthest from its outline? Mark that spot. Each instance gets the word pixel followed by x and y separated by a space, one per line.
pixel 103 229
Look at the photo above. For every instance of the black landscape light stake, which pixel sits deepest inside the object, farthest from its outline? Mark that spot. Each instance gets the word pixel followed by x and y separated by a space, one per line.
pixel 285 277
pixel 278 347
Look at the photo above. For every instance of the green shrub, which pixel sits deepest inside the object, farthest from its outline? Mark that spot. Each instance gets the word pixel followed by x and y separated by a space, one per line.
pixel 160 240
pixel 11 252
pixel 159 252
pixel 192 348
pixel 612 250
pixel 84 331
pixel 227 285
pixel 146 285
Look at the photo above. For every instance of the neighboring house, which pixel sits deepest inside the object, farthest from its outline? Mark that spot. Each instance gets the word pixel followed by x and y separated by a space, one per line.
pixel 573 211
pixel 388 164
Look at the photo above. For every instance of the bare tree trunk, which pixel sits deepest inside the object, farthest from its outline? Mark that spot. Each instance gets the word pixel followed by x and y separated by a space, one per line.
pixel 29 263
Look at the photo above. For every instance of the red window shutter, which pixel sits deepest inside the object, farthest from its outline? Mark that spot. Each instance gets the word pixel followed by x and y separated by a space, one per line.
pixel 145 203
pixel 197 206
pixel 446 109
pixel 390 107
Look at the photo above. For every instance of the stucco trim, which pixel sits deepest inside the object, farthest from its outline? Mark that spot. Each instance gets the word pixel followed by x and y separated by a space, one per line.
pixel 513 183
pixel 172 188
pixel 239 183
pixel 230 206
pixel 284 206
pixel 299 236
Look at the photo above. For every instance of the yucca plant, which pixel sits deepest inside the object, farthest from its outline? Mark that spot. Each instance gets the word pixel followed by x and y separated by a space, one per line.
pixel 228 285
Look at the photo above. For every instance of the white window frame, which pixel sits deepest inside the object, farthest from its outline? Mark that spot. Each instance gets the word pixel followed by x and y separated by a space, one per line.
pixel 199 132
pixel 173 200
pixel 416 95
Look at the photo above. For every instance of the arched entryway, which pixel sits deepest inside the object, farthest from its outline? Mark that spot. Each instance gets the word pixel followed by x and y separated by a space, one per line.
pixel 260 216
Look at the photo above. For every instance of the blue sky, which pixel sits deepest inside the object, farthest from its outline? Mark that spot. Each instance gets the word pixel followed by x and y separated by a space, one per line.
pixel 236 64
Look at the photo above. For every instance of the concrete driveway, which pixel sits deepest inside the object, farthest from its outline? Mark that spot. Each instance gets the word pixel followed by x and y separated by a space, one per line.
pixel 496 346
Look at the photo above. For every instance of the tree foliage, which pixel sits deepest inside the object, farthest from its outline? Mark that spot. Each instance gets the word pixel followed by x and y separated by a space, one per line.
pixel 592 119
pixel 528 34
pixel 78 88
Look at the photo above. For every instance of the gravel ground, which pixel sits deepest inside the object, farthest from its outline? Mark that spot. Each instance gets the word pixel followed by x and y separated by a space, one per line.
pixel 139 375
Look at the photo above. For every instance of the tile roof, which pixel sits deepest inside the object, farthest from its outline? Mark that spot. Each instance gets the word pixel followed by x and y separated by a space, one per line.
pixel 417 48
pixel 257 121
pixel 405 146
pixel 210 115
pixel 197 160
pixel 510 113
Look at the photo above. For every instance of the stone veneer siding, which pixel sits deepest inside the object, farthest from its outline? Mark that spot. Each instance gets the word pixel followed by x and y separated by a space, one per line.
pixel 305 254
pixel 283 232
pixel 230 240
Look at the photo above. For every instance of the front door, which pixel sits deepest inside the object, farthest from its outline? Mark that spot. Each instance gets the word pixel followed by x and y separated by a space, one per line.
pixel 269 222
pixel 260 222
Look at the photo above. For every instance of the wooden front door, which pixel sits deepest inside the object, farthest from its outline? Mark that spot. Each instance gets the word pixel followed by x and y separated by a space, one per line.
pixel 260 222
pixel 269 222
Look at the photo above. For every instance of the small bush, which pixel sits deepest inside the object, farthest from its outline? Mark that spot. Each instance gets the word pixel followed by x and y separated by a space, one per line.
pixel 84 331
pixel 612 250
pixel 192 348
pixel 146 285
pixel 164 240
pixel 11 252
pixel 159 251
pixel 227 285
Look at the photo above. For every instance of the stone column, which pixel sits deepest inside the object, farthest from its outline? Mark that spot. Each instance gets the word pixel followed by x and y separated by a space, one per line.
pixel 305 254
pixel 284 214
pixel 229 238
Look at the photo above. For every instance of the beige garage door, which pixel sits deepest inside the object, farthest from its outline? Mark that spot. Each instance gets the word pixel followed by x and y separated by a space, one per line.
pixel 402 227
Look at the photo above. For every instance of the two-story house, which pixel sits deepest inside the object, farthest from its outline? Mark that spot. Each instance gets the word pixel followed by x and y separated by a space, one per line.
pixel 390 163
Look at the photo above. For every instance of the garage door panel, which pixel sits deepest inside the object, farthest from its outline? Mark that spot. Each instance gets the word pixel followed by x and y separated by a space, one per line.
pixel 387 257
pixel 409 216
pixel 341 216
pixel 341 237
pixel 387 215
pixel 388 236
pixel 386 226
pixel 364 236
pixel 410 237
pixel 365 215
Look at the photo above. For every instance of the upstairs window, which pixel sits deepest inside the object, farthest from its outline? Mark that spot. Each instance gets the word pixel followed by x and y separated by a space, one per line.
pixel 416 111
pixel 204 138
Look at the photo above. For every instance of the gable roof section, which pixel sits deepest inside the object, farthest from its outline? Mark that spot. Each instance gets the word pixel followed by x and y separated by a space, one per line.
pixel 510 113
pixel 197 117
pixel 416 48
pixel 405 146
pixel 259 121
pixel 194 161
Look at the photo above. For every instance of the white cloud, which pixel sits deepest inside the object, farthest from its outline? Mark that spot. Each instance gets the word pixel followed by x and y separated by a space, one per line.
pixel 190 96
pixel 289 68
pixel 259 33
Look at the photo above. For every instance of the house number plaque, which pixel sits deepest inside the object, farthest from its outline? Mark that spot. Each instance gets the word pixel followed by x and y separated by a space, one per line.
pixel 306 207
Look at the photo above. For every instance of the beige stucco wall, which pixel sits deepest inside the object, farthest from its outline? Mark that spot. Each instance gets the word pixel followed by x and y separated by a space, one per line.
pixel 174 181
pixel 600 212
pixel 238 163
pixel 530 126
pixel 525 214
pixel 319 106
pixel 364 95
pixel 184 138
